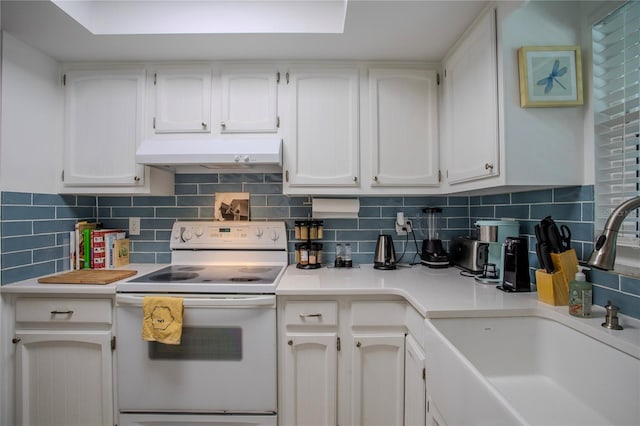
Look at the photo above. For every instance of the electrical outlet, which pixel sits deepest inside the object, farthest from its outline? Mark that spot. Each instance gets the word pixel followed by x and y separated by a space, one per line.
pixel 400 224
pixel 134 226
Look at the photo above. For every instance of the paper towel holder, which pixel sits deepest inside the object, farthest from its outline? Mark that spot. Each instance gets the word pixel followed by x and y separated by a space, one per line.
pixel 335 208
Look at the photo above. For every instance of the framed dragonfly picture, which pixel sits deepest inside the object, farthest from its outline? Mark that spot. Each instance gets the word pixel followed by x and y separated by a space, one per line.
pixel 550 76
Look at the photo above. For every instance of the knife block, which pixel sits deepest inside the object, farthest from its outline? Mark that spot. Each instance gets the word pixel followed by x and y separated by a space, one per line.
pixel 566 263
pixel 553 288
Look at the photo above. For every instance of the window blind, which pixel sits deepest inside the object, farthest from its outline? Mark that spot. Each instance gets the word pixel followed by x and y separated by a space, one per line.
pixel 616 71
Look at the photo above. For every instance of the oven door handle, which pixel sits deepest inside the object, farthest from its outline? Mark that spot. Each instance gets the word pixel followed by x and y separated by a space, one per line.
pixel 207 302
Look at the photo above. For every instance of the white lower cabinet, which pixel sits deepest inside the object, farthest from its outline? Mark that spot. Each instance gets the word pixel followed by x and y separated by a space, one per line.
pixel 64 378
pixel 415 391
pixel 377 392
pixel 310 380
pixel 342 361
pixel 63 362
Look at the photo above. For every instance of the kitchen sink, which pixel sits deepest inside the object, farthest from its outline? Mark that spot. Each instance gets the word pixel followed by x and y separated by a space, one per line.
pixel 528 370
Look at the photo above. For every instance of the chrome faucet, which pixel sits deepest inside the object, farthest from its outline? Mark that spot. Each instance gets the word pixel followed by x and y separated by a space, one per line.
pixel 604 253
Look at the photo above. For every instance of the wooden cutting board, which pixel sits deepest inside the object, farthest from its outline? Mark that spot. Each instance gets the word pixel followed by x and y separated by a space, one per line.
pixel 88 276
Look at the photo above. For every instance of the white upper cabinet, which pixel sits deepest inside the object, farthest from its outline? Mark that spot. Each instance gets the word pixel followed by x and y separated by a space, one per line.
pixel 182 100
pixel 470 131
pixel 323 144
pixel 404 127
pixel 489 141
pixel 249 99
pixel 103 127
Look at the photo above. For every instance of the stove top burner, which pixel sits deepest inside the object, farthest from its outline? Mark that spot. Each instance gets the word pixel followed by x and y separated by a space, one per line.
pixel 212 274
pixel 173 276
pixel 245 279
pixel 189 268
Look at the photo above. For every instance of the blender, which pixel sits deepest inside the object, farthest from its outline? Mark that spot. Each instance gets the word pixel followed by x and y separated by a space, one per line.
pixel 433 254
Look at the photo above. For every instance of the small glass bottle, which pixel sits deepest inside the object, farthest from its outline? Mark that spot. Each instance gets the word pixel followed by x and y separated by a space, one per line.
pixel 339 262
pixel 313 230
pixel 313 254
pixel 304 254
pixel 304 230
pixel 297 230
pixel 320 229
pixel 319 246
pixel 347 256
pixel 298 247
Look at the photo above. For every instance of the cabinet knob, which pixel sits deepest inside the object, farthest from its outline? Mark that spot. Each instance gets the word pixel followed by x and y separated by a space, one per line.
pixel 355 178
pixel 488 166
pixel 375 178
pixel 290 343
pixel 204 125
pixel 358 344
pixel 136 178
pixel 16 340
pixel 223 125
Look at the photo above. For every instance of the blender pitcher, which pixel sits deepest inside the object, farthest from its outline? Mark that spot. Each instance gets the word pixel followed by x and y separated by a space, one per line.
pixel 433 254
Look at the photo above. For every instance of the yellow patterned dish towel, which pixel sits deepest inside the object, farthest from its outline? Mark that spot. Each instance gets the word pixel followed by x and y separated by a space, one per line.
pixel 162 319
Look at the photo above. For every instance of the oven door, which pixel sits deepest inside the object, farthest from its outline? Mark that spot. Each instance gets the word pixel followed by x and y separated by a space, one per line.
pixel 226 362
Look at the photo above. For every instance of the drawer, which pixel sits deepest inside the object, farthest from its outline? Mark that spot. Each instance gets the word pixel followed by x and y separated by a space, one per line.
pixel 374 313
pixel 64 311
pixel 312 313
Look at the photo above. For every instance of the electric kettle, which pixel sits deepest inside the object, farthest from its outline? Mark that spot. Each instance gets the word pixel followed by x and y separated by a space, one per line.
pixel 385 254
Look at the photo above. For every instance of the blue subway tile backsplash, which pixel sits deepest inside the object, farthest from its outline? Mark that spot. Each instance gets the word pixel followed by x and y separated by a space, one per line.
pixel 35 227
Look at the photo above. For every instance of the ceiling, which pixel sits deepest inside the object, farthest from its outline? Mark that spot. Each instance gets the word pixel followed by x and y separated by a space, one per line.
pixel 414 30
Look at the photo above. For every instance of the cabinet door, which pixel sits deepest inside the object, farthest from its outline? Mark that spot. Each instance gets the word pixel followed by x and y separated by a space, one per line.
pixel 415 390
pixel 377 379
pixel 64 378
pixel 182 101
pixel 310 379
pixel 471 135
pixel 404 127
pixel 323 147
pixel 249 101
pixel 103 127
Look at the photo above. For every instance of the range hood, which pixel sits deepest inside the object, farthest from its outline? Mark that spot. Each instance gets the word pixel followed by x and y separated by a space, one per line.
pixel 214 153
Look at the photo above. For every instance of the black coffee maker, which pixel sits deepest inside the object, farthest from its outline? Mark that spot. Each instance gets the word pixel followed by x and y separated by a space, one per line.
pixel 515 276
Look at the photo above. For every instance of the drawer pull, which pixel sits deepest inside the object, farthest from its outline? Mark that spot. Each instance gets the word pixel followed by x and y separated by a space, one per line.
pixel 61 312
pixel 316 315
pixel 16 340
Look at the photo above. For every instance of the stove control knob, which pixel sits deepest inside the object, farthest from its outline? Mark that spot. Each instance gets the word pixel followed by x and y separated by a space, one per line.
pixel 187 235
pixel 259 232
pixel 199 231
pixel 275 236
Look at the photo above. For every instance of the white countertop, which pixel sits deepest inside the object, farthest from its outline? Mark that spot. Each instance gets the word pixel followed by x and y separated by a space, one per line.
pixel 434 293
pixel 441 293
pixel 32 286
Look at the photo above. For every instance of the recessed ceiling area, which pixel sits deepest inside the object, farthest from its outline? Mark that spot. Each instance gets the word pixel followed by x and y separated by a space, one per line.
pixel 398 30
pixel 137 17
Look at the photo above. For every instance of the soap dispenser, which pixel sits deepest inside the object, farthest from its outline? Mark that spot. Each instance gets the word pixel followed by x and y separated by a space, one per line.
pixel 580 295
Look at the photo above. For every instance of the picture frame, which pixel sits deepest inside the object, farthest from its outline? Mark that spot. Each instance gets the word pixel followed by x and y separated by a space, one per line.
pixel 233 206
pixel 550 76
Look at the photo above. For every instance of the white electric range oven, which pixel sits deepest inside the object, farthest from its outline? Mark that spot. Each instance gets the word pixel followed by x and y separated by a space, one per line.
pixel 224 370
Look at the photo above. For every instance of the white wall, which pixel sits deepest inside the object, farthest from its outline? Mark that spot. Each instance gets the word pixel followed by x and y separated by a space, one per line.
pixel 540 23
pixel 32 118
